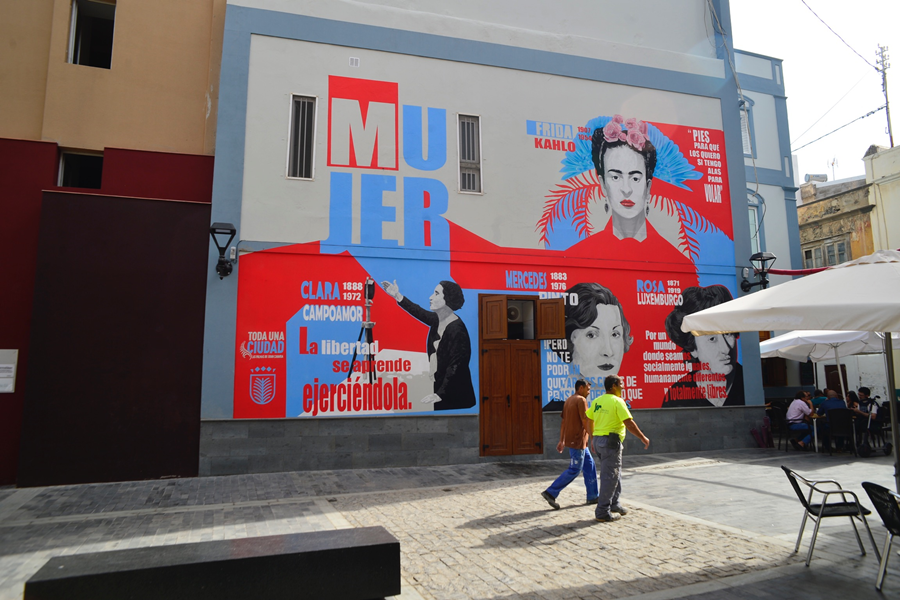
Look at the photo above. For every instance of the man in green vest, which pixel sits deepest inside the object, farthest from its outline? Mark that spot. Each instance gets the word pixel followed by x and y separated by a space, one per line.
pixel 611 418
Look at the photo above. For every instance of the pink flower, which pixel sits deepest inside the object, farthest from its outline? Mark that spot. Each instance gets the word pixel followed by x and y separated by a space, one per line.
pixel 631 123
pixel 623 137
pixel 611 131
pixel 636 139
pixel 643 128
pixel 618 119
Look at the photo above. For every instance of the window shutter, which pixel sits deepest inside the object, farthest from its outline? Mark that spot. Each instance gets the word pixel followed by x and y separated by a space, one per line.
pixel 551 319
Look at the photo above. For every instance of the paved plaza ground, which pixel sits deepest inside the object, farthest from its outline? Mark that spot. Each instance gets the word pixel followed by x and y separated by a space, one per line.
pixel 703 525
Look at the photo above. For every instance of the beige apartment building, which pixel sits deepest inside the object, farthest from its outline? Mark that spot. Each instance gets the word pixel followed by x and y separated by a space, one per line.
pixel 104 102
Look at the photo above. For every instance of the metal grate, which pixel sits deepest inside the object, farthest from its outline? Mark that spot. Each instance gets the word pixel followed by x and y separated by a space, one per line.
pixel 469 154
pixel 303 122
pixel 745 133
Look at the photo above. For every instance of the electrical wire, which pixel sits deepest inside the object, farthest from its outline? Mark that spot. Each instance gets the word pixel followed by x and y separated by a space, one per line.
pixel 838 36
pixel 795 140
pixel 868 114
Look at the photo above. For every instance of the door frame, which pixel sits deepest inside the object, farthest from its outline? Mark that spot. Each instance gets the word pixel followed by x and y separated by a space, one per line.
pixel 481 375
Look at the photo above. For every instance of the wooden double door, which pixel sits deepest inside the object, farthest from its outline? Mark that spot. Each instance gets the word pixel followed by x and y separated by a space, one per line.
pixel 510 376
pixel 511 398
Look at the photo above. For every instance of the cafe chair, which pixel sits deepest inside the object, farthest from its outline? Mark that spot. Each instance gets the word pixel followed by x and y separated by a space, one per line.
pixel 779 426
pixel 840 425
pixel 887 503
pixel 839 506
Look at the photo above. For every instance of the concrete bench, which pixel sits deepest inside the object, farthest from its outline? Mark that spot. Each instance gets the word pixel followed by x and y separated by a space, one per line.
pixel 345 563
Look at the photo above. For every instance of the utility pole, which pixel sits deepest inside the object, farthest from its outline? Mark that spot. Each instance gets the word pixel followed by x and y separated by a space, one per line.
pixel 883 66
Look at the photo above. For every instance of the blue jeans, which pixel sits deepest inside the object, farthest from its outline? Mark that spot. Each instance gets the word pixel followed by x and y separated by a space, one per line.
pixel 801 427
pixel 580 461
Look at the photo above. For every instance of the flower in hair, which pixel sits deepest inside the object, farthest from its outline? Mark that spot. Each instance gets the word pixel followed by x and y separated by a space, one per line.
pixel 612 130
pixel 636 139
pixel 634 132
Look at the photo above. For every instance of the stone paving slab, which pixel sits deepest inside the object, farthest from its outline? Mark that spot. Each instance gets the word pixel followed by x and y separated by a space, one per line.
pixel 499 540
pixel 703 525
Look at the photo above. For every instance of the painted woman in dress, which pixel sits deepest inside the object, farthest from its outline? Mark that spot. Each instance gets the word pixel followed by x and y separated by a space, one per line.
pixel 715 377
pixel 448 345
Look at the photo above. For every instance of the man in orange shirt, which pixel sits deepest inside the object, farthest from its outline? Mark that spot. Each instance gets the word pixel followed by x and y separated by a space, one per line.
pixel 574 433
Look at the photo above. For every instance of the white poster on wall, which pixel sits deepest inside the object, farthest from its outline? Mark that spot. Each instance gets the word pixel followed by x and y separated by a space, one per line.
pixel 8 361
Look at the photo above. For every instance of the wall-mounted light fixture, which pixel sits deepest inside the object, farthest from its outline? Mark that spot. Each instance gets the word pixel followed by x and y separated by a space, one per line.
pixel 218 231
pixel 762 262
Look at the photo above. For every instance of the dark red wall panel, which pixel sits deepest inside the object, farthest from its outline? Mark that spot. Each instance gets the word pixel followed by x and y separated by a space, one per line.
pixel 157 175
pixel 116 340
pixel 26 168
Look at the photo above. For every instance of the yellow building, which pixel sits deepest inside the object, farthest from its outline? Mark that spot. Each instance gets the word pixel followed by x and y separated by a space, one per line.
pixel 883 178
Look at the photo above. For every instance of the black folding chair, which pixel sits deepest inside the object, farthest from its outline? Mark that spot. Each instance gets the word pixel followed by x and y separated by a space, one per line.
pixel 840 425
pixel 779 425
pixel 887 503
pixel 826 509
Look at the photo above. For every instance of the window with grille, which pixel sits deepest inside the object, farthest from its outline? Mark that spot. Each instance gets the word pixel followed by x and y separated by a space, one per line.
pixel 469 154
pixel 303 137
pixel 747 139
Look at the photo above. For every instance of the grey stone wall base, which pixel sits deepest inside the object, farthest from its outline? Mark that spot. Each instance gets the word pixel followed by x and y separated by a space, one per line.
pixel 233 447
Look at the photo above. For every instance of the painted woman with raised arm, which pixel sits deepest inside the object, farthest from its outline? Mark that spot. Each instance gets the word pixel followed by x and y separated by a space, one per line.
pixel 448 345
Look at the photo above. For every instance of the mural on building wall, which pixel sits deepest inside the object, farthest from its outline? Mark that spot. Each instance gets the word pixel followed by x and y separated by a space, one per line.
pixel 633 219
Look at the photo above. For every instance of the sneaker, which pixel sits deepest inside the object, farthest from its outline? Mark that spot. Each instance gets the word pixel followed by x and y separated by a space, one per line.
pixel 619 509
pixel 550 500
pixel 594 501
pixel 608 519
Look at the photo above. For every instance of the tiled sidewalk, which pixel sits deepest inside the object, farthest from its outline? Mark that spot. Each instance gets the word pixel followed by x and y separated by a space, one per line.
pixel 706 525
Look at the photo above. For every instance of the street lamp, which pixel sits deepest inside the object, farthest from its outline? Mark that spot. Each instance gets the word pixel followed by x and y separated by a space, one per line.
pixel 220 231
pixel 762 262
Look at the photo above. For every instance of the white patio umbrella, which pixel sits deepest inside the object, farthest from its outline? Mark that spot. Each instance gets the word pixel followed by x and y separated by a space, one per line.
pixel 803 345
pixel 860 295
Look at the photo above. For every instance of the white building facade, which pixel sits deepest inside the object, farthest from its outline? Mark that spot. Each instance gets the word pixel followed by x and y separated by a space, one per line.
pixel 533 189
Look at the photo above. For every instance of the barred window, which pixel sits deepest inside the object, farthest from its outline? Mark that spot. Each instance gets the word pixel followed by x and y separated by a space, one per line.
pixel 747 138
pixel 469 154
pixel 303 137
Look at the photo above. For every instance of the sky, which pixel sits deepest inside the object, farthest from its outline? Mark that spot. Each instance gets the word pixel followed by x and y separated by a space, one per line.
pixel 819 69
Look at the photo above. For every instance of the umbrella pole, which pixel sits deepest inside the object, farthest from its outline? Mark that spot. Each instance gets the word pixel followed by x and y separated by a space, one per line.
pixel 892 396
pixel 840 376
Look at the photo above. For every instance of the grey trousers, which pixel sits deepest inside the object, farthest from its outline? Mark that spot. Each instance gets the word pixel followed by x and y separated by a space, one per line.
pixel 609 472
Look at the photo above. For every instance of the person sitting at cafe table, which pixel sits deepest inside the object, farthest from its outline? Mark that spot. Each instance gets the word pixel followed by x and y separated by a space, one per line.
pixel 866 402
pixel 798 416
pixel 832 402
pixel 861 412
pixel 818 397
